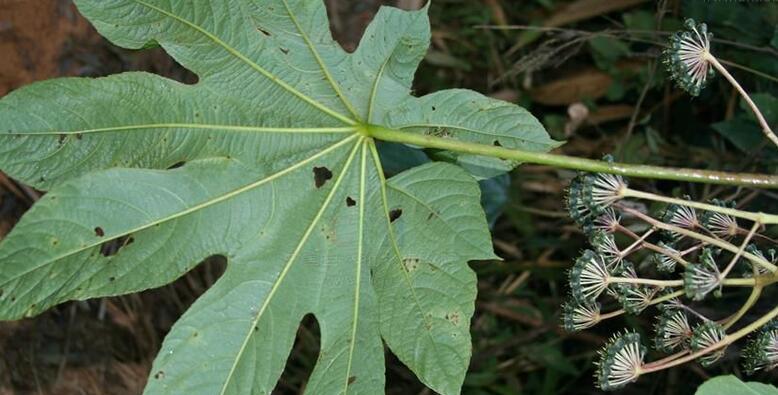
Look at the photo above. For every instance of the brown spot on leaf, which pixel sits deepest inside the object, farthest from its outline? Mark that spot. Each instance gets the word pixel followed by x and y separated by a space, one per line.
pixel 159 375
pixel 350 202
pixel 395 214
pixel 284 50
pixel 352 379
pixel 496 143
pixel 99 232
pixel 321 175
pixel 411 264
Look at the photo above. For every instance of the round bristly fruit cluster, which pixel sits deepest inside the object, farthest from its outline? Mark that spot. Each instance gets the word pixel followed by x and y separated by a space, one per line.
pixel 687 57
pixel 671 261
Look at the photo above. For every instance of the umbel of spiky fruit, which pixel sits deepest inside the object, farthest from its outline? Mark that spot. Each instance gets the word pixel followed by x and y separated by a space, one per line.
pixel 761 352
pixel 705 335
pixel 672 331
pixel 589 277
pixel 687 57
pixel 634 298
pixel 701 278
pixel 577 315
pixel 621 361
pixel 722 225
pixel 664 262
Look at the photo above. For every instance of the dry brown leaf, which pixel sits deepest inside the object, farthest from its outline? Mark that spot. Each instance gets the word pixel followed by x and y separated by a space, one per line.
pixel 586 84
pixel 610 113
pixel 585 9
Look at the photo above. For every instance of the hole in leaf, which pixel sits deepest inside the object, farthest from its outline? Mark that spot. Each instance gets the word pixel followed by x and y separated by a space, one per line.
pixel 497 143
pixel 434 108
pixel 321 175
pixel 176 165
pixel 159 375
pixel 61 139
pixel 112 247
pixel 306 349
pixel 395 214
pixel 263 31
pixel 99 232
pixel 350 202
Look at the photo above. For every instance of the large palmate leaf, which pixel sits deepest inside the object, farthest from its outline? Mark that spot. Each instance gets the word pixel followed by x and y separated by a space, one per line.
pixel 268 161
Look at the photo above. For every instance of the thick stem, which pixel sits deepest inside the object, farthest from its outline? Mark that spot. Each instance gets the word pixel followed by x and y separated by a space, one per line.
pixel 762 121
pixel 752 298
pixel 728 339
pixel 755 217
pixel 570 162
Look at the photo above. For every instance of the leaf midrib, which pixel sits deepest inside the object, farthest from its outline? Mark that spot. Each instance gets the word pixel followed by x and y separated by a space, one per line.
pixel 192 209
pixel 319 61
pixel 270 76
pixel 287 266
pixel 217 127
pixel 471 130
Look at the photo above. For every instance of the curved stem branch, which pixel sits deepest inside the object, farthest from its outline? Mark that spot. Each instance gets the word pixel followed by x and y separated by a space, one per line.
pixel 762 121
pixel 751 216
pixel 571 162
pixel 728 339
pixel 694 235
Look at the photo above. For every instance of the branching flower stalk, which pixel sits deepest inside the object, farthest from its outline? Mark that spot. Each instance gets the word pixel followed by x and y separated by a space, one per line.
pixel 704 238
pixel 691 64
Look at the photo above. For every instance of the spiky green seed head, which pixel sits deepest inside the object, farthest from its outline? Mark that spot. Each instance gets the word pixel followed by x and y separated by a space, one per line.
pixel 665 262
pixel 687 58
pixel 672 331
pixel 588 277
pixel 680 216
pixel 705 335
pixel 722 225
pixel 601 190
pixel 699 279
pixel 761 352
pixel 605 245
pixel 578 316
pixel 769 256
pixel 620 362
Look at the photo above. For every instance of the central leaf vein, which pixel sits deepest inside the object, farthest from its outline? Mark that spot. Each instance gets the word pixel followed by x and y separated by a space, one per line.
pixel 194 208
pixel 288 265
pixel 270 76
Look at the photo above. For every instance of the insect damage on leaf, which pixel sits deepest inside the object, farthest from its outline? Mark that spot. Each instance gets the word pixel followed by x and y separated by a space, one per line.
pixel 321 175
pixel 274 106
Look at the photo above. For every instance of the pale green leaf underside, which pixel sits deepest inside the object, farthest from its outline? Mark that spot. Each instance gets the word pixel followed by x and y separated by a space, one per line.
pixel 275 177
pixel 731 385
